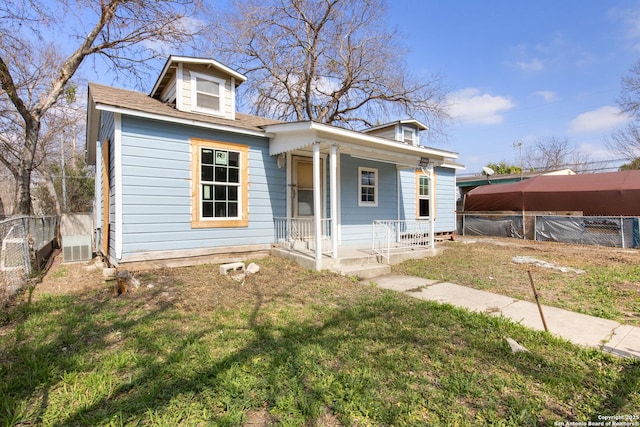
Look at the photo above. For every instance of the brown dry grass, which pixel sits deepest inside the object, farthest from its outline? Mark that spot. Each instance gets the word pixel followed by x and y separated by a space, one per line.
pixel 201 288
pixel 609 288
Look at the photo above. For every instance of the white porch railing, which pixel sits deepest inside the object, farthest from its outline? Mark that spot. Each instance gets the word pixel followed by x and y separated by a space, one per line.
pixel 299 234
pixel 399 235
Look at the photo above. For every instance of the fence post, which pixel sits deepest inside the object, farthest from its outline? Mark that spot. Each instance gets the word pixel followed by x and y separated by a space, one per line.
pixel 622 231
pixel 25 247
pixel 464 216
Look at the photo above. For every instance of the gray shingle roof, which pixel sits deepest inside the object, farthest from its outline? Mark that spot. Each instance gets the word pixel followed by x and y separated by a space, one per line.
pixel 138 101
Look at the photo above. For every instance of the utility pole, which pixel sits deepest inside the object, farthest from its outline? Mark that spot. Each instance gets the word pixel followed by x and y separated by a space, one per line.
pixel 519 145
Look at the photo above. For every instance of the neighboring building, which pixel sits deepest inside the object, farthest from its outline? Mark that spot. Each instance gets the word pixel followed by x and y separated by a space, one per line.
pixel 611 193
pixel 467 183
pixel 182 177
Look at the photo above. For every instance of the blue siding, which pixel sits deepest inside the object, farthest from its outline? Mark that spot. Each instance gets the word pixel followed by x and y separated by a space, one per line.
pixel 156 168
pixel 445 197
pixel 356 220
pixel 156 191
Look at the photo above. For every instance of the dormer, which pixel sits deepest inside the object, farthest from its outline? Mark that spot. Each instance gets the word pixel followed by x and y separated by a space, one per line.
pixel 198 85
pixel 405 131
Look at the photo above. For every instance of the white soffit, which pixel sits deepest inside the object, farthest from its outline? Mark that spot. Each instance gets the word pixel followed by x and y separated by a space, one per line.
pixel 291 136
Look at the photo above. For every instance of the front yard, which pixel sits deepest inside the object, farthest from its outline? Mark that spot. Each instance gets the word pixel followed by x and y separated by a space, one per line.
pixel 608 287
pixel 286 347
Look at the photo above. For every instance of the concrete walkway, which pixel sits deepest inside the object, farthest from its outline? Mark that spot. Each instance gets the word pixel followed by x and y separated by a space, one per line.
pixel 588 331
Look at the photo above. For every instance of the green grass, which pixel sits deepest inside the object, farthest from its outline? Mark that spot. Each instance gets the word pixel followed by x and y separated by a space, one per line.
pixel 609 288
pixel 310 348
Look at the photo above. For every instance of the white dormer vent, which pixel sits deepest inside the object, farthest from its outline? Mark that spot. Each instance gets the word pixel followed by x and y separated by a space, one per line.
pixel 409 135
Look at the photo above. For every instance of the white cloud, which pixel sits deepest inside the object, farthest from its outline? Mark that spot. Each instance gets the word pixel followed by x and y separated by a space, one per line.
pixel 596 150
pixel 547 95
pixel 533 65
pixel 630 19
pixel 185 24
pixel 470 105
pixel 603 119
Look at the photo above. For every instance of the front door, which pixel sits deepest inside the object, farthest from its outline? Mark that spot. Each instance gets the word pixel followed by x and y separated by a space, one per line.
pixel 302 194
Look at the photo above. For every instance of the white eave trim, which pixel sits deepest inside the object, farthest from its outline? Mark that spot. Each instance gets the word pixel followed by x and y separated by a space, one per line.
pixel 290 136
pixel 453 165
pixel 172 60
pixel 177 120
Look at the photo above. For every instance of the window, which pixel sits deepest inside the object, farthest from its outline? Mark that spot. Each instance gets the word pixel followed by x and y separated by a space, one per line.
pixel 368 187
pixel 220 181
pixel 408 136
pixel 207 93
pixel 424 198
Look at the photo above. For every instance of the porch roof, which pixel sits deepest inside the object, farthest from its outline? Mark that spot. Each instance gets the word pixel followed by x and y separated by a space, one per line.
pixel 286 137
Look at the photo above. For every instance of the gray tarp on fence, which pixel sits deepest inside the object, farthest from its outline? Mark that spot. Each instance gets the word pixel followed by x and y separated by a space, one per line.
pixel 504 226
pixel 586 230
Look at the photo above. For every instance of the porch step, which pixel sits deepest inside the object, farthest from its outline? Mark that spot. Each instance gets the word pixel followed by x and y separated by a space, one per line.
pixel 358 260
pixel 362 271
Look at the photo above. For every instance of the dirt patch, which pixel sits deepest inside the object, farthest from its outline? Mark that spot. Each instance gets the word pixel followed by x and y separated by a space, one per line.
pixel 201 288
pixel 70 278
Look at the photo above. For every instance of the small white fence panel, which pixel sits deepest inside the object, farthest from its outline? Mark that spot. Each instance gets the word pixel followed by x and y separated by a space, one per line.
pixel 399 235
pixel 299 234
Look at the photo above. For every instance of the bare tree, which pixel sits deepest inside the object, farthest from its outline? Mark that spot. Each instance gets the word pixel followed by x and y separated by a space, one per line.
pixel 626 141
pixel 34 74
pixel 629 99
pixel 331 61
pixel 547 154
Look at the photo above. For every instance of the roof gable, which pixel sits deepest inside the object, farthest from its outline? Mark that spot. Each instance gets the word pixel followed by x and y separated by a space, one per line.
pixel 169 70
pixel 107 98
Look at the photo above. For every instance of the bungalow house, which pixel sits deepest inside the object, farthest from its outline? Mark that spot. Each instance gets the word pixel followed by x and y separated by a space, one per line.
pixel 182 177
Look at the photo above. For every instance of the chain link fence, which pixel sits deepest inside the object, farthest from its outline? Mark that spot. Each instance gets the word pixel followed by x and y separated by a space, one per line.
pixel 25 246
pixel 619 231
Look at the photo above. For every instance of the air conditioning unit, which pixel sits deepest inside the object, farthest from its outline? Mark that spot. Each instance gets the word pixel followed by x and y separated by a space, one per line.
pixel 77 242
pixel 76 248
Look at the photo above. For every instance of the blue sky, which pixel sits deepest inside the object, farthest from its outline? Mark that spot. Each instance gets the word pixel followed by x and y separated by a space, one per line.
pixel 518 70
pixel 524 70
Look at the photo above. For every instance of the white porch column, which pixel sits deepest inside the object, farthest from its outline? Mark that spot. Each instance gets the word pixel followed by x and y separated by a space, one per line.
pixel 317 201
pixel 432 216
pixel 333 196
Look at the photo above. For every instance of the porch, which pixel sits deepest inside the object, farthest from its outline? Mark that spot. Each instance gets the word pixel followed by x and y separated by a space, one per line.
pixel 391 242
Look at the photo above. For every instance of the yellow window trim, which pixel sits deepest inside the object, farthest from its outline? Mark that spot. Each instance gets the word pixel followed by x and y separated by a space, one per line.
pixel 196 222
pixel 432 197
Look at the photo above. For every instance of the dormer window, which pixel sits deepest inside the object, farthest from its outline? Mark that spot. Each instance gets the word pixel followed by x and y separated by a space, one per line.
pixel 207 94
pixel 408 136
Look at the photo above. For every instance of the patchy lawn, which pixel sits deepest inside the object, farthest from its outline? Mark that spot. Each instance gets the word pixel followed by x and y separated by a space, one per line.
pixel 608 288
pixel 287 347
